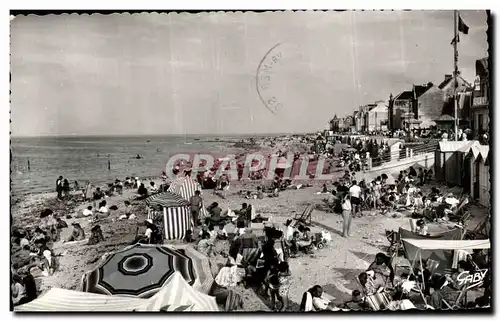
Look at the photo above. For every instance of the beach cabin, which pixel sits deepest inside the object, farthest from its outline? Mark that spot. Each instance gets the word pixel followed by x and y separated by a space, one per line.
pixel 449 161
pixel 170 212
pixel 479 158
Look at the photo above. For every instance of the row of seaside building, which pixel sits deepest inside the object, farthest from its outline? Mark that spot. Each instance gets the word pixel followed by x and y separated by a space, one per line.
pixel 426 106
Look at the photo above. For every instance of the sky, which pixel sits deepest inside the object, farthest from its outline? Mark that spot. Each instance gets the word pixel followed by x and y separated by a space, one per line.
pixel 154 74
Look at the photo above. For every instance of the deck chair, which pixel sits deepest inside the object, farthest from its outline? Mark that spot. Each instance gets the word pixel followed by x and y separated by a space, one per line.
pixel 482 230
pixel 378 301
pixel 304 218
pixel 459 212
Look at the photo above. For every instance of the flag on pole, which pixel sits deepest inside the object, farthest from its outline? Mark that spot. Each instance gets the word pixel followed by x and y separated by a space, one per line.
pixel 463 28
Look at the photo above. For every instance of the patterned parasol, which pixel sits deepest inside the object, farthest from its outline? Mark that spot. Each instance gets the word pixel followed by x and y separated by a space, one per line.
pixel 139 271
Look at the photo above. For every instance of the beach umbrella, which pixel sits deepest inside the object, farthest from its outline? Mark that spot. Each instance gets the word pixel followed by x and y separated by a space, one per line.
pixel 177 292
pixel 142 270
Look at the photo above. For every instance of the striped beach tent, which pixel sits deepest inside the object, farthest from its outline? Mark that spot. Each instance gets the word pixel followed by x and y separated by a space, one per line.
pixel 177 292
pixel 185 187
pixel 171 212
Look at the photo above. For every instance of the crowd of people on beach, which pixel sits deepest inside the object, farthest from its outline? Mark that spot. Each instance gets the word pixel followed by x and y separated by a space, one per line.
pixel 260 258
pixel 33 244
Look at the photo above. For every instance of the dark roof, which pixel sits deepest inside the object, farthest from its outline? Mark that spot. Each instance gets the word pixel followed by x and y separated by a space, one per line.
pixel 408 94
pixel 444 83
pixel 420 90
pixel 447 81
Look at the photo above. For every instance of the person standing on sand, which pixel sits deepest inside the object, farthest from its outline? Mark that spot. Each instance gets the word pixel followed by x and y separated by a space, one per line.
pixel 347 216
pixel 66 188
pixel 195 202
pixel 87 193
pixel 355 195
pixel 59 187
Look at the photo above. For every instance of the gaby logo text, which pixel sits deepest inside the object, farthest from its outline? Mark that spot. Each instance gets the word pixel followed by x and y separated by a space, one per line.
pixel 471 278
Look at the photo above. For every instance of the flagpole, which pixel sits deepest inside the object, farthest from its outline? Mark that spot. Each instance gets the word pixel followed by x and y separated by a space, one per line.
pixel 455 71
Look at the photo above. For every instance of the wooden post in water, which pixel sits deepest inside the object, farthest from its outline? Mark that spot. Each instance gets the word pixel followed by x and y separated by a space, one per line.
pixel 29 167
pixel 109 163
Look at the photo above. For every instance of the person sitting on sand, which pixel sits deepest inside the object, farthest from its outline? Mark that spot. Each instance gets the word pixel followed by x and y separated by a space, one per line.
pixel 221 233
pixel 29 291
pixel 215 214
pixel 382 268
pixel 205 245
pixel 98 195
pixel 259 193
pixel 319 303
pixel 48 264
pixel 127 215
pixel 275 193
pixel 233 273
pixel 153 188
pixel 18 291
pixel 87 212
pixel 152 232
pixel 39 236
pixel 366 280
pixel 103 211
pixel 128 183
pixel 40 246
pixel 95 235
pixel 77 234
pixel 142 191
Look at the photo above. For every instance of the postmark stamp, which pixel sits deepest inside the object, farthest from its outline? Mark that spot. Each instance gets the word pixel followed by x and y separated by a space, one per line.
pixel 266 71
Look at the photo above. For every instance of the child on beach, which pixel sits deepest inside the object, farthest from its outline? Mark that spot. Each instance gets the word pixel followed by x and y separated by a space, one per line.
pixel 205 245
pixel 279 285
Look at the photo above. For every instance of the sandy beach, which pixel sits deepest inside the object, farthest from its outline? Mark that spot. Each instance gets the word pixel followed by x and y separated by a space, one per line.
pixel 334 267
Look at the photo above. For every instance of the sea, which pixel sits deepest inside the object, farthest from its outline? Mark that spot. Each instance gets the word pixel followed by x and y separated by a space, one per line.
pixel 37 162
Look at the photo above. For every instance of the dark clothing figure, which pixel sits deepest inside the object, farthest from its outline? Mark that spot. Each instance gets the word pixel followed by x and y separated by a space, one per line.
pixel 66 188
pixel 96 235
pixel 30 289
pixel 142 191
pixel 59 187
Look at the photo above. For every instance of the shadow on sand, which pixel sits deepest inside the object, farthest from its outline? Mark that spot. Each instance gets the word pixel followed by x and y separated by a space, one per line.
pixel 328 228
pixel 368 258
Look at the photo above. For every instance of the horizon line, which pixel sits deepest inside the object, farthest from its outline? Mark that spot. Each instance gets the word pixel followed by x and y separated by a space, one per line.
pixel 156 135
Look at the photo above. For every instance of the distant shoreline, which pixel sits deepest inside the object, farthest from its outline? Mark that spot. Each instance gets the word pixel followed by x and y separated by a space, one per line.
pixel 158 135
